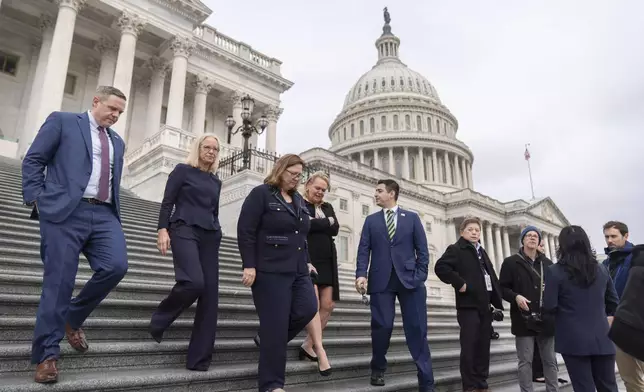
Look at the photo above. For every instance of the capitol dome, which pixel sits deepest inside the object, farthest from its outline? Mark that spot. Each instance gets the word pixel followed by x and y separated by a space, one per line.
pixel 393 120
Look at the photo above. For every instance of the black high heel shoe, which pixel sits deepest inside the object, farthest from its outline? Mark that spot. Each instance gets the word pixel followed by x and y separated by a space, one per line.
pixel 303 356
pixel 325 373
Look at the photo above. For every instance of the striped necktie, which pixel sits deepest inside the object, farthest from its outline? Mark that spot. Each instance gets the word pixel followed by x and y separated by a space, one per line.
pixel 391 227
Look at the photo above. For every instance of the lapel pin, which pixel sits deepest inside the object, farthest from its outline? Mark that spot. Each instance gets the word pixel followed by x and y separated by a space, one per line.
pixel 402 214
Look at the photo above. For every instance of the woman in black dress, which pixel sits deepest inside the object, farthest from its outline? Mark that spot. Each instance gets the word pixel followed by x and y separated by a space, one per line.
pixel 323 255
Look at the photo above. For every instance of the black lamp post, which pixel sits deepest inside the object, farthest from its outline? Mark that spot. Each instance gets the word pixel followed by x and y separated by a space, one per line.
pixel 247 128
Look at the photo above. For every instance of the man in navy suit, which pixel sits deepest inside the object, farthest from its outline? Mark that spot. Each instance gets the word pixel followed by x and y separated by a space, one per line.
pixel 77 204
pixel 393 247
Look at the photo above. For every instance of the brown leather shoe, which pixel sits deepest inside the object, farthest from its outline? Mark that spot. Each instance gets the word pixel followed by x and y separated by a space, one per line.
pixel 46 372
pixel 76 339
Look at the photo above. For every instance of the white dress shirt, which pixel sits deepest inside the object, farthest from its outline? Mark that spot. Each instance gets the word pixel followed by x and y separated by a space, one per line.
pixel 91 191
pixel 395 210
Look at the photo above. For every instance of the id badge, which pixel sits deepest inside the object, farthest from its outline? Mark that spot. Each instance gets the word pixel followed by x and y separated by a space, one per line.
pixel 488 282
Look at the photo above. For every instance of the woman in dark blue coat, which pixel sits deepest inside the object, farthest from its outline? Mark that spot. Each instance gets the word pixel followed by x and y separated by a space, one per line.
pixel 271 234
pixel 581 295
pixel 193 190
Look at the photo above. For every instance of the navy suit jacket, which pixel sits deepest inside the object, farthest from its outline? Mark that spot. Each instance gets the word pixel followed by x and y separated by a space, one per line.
pixel 194 195
pixel 581 326
pixel 271 233
pixel 63 146
pixel 407 252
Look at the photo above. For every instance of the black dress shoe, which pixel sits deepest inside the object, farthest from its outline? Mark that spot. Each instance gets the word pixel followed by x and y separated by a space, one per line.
pixel 378 379
pixel 303 355
pixel 156 334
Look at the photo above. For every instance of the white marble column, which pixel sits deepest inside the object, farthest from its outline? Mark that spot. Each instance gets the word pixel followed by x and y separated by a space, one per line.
pixel 457 172
pixel 546 245
pixel 553 249
pixel 130 25
pixel 30 126
pixel 448 169
pixel 182 48
pixel 236 140
pixel 482 235
pixel 203 86
pixel 376 159
pixel 55 74
pixel 435 172
pixel 489 242
pixel 159 68
pixel 108 50
pixel 451 232
pixel 362 157
pixel 273 114
pixel 405 165
pixel 469 175
pixel 420 171
pixel 506 242
pixel 556 245
pixel 466 182
pixel 498 247
pixel 392 164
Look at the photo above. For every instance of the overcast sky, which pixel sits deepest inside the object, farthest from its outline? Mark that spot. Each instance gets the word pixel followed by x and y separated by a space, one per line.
pixel 565 76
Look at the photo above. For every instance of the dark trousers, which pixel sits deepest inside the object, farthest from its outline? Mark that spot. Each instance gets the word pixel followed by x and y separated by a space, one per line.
pixel 476 329
pixel 285 304
pixel 537 366
pixel 94 230
pixel 590 373
pixel 413 306
pixel 195 254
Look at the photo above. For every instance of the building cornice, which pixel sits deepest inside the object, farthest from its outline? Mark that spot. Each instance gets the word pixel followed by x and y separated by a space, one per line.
pixel 208 51
pixel 193 10
pixel 402 139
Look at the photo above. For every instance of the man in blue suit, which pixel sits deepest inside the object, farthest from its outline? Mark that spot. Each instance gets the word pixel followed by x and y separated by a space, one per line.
pixel 393 247
pixel 77 204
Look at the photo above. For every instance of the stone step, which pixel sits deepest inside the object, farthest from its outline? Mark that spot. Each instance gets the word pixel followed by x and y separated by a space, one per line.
pixel 20 330
pixel 144 221
pixel 228 294
pixel 16 305
pixel 14 358
pixel 301 377
pixel 229 271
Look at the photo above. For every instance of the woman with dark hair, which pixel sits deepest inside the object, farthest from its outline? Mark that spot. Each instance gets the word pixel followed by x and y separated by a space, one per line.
pixel 580 294
pixel 271 235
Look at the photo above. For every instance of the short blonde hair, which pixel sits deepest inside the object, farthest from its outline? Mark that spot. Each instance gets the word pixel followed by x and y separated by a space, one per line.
pixel 193 154
pixel 274 178
pixel 322 176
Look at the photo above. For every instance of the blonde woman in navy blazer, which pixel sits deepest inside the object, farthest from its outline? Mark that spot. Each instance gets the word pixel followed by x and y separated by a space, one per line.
pixel 194 233
pixel 271 234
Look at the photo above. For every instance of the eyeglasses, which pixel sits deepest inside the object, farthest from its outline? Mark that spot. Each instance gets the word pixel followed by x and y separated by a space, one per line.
pixel 293 174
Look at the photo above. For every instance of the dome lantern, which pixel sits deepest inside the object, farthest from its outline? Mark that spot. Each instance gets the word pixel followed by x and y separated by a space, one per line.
pixel 388 43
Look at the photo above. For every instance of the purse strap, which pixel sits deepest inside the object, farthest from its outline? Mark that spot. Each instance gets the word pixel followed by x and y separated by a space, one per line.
pixel 541 285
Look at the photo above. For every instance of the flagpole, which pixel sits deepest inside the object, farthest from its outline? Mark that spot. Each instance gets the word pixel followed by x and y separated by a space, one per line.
pixel 527 158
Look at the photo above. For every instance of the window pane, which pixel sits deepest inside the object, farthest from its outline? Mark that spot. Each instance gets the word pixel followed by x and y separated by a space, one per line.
pixel 70 84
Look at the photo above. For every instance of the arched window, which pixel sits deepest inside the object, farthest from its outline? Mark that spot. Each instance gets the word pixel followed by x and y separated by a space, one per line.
pixel 395 122
pixel 361 127
pixel 407 122
pixel 344 133
pixel 429 124
pixel 372 125
pixel 352 131
pixel 419 123
pixel 383 123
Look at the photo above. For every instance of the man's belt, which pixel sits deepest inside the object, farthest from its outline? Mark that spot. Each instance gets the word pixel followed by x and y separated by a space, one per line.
pixel 92 200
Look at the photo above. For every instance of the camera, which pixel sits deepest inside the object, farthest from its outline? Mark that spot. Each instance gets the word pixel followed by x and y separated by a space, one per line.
pixel 497 315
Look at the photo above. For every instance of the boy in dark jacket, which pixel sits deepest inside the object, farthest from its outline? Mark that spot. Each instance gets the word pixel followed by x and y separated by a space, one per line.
pixel 522 284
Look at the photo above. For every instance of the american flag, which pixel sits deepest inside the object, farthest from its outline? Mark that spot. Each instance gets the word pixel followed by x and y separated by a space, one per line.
pixel 526 154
